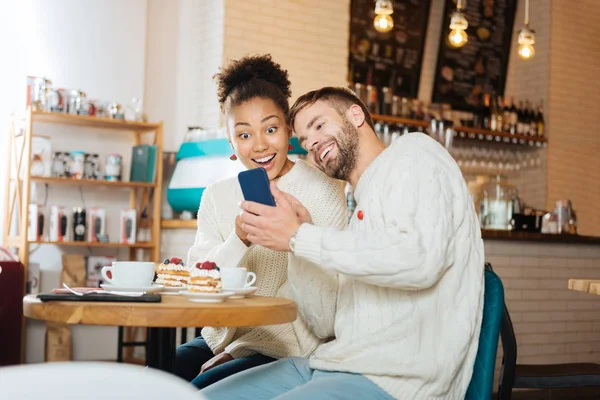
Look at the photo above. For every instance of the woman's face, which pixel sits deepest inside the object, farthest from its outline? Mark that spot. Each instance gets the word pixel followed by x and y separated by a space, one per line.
pixel 259 136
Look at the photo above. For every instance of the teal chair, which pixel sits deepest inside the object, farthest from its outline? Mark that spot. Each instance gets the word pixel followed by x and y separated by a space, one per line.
pixel 482 382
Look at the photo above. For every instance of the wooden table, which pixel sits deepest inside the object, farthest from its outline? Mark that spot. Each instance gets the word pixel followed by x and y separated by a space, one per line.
pixel 163 318
pixel 591 286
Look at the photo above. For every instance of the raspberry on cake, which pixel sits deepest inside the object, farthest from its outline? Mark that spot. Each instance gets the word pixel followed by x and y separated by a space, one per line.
pixel 205 278
pixel 173 273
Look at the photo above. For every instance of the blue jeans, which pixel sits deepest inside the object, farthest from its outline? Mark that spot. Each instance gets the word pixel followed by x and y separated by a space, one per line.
pixel 293 379
pixel 191 356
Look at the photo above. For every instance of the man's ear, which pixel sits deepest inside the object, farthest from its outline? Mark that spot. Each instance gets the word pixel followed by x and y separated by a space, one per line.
pixel 356 115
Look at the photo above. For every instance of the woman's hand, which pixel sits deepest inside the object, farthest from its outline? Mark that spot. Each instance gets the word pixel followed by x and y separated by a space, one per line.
pixel 240 232
pixel 216 360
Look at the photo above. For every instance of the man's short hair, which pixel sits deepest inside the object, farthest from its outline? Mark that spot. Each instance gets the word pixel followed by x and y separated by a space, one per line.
pixel 340 98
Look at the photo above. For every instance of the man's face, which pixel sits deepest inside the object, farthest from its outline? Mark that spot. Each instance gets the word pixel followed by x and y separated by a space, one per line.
pixel 330 139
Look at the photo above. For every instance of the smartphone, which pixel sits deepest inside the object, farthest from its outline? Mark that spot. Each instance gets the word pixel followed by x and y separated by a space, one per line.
pixel 255 186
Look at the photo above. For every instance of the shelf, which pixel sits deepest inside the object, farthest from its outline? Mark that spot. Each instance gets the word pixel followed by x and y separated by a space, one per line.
pixel 92 122
pixel 399 120
pixel 465 132
pixel 139 245
pixel 178 224
pixel 91 182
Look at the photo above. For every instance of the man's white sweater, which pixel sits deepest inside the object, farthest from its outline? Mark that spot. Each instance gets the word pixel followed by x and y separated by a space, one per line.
pixel 216 240
pixel 410 294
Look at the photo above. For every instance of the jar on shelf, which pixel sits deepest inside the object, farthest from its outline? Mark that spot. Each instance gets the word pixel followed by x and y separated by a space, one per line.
pixel 497 204
pixel 76 164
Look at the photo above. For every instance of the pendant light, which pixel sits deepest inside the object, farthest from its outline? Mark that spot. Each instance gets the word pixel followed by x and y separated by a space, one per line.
pixel 458 26
pixel 383 21
pixel 526 38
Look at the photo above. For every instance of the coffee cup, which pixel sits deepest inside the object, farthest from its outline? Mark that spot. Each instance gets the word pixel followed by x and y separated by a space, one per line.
pixel 237 278
pixel 133 274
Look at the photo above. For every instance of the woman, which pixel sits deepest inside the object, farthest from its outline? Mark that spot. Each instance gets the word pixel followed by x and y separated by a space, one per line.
pixel 253 93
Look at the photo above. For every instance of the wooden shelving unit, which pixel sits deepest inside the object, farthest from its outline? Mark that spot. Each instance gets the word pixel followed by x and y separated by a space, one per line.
pixel 468 133
pixel 95 122
pixel 179 224
pixel 139 245
pixel 90 182
pixel 142 195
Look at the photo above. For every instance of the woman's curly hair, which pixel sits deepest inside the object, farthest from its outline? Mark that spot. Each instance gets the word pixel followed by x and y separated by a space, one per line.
pixel 253 76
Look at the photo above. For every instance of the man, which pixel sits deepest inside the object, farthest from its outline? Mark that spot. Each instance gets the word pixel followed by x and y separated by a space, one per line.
pixel 410 265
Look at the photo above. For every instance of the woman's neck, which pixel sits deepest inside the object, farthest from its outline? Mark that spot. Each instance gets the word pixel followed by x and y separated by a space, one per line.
pixel 287 167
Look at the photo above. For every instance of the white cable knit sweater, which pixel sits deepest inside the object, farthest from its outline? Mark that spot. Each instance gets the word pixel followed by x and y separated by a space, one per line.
pixel 410 294
pixel 217 241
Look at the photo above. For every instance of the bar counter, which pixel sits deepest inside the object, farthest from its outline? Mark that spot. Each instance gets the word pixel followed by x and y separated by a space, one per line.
pixel 492 234
pixel 552 323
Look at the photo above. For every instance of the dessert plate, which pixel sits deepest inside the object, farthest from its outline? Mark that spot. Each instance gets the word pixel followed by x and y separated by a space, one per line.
pixel 206 297
pixel 148 289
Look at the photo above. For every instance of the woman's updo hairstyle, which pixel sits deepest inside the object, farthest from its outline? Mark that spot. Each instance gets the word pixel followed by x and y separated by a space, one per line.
pixel 253 76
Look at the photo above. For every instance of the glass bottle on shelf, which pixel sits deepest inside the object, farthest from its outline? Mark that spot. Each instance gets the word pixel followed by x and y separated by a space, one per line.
pixel 493 124
pixel 499 114
pixel 540 124
pixel 405 108
pixel 506 116
pixel 486 117
pixel 385 101
pixel 532 120
pixel 514 117
pixel 520 119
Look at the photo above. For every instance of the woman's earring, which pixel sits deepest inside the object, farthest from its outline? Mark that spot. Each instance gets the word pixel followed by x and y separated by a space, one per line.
pixel 233 157
pixel 290 147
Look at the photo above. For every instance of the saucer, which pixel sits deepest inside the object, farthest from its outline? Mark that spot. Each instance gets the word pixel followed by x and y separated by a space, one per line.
pixel 206 297
pixel 148 289
pixel 240 293
pixel 172 290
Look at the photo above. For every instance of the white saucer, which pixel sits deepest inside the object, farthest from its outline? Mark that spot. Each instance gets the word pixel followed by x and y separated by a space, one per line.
pixel 240 293
pixel 206 297
pixel 148 289
pixel 171 290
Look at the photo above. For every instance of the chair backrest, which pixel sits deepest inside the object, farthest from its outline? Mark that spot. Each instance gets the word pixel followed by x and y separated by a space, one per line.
pixel 509 357
pixel 482 381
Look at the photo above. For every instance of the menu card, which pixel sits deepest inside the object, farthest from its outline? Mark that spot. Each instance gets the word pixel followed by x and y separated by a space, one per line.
pixel 391 59
pixel 463 75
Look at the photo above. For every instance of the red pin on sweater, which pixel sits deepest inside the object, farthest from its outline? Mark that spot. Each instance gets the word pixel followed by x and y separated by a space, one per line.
pixel 360 215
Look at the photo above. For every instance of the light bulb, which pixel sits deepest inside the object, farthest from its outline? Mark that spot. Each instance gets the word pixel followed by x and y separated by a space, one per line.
pixel 458 38
pixel 383 23
pixel 526 41
pixel 526 51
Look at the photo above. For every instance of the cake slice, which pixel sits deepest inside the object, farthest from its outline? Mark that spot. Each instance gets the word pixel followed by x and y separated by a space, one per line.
pixel 205 278
pixel 173 273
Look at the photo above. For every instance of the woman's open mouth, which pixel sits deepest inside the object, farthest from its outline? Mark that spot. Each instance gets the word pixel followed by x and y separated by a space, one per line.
pixel 265 162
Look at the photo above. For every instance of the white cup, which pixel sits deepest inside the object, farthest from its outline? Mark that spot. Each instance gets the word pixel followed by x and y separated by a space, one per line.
pixel 129 274
pixel 236 278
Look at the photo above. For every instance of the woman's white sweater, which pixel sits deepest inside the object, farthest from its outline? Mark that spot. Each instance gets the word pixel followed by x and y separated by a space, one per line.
pixel 217 241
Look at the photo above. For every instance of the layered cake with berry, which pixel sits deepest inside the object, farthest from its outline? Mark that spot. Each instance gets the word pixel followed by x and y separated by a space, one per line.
pixel 173 273
pixel 205 278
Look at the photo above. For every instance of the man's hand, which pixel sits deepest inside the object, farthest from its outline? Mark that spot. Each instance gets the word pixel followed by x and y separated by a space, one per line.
pixel 216 360
pixel 272 227
pixel 301 211
pixel 240 232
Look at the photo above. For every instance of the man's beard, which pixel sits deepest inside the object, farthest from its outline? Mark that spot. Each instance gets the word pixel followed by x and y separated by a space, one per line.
pixel 347 145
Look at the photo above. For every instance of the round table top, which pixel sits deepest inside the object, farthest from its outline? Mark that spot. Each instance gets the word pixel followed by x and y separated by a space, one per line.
pixel 171 312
